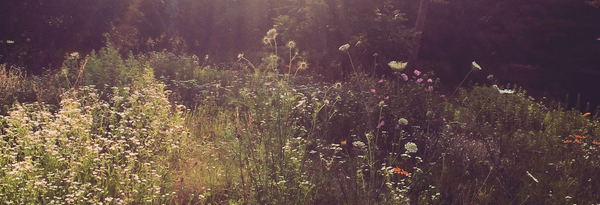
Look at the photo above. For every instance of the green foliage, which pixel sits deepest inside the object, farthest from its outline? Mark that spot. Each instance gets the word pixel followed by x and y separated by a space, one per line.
pixel 91 150
pixel 106 69
pixel 256 136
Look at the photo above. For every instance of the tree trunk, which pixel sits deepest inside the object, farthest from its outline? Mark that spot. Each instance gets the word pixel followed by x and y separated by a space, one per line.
pixel 419 29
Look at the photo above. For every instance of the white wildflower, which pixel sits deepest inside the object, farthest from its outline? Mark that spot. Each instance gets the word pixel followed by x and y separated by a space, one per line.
pixel 402 121
pixel 345 47
pixel 504 91
pixel 359 144
pixel 475 66
pixel 411 147
pixel 398 66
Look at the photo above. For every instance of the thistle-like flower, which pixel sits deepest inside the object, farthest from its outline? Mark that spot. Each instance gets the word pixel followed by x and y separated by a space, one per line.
pixel 291 44
pixel 266 40
pixel 302 65
pixel 404 77
pixel 344 48
pixel 417 72
pixel 398 66
pixel 272 33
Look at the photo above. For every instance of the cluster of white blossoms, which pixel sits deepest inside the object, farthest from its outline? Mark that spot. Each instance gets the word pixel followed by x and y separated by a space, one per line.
pixel 411 147
pixel 398 65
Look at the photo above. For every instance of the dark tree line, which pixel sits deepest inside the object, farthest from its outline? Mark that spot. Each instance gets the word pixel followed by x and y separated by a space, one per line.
pixel 513 38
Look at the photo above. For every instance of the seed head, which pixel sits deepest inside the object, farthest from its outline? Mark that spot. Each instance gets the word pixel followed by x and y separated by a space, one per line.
pixel 272 33
pixel 302 65
pixel 291 44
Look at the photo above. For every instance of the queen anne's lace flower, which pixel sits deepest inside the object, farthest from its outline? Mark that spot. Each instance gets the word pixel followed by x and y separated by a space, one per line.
pixel 345 47
pixel 411 147
pixel 398 66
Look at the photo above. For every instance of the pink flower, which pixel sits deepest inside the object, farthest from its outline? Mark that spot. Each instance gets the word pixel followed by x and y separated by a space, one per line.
pixel 429 80
pixel 417 72
pixel 380 124
pixel 397 126
pixel 373 90
pixel 444 119
pixel 442 96
pixel 419 80
pixel 381 81
pixel 430 88
pixel 387 97
pixel 404 77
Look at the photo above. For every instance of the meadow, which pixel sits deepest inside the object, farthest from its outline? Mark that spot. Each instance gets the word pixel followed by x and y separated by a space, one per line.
pixel 166 128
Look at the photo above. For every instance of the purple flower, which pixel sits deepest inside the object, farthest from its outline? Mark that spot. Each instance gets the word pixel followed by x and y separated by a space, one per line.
pixel 429 80
pixel 404 77
pixel 380 124
pixel 417 72
pixel 381 81
pixel 419 80
pixel 430 88
pixel 397 126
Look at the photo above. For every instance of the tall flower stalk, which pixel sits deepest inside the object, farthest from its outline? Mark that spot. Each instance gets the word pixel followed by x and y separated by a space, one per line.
pixel 344 48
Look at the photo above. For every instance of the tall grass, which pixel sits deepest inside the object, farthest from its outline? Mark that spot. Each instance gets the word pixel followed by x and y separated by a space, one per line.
pixel 262 135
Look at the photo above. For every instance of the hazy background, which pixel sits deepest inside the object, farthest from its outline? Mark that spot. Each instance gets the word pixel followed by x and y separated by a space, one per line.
pixel 549 47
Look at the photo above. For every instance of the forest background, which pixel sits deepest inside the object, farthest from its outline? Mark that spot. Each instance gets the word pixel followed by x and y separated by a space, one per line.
pixel 550 47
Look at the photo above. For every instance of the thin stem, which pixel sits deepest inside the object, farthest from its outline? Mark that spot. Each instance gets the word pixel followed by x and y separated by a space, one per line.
pixel 460 84
pixel 374 65
pixel 352 63
pixel 290 65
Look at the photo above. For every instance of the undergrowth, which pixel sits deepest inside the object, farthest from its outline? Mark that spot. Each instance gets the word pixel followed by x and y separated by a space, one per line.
pixel 160 128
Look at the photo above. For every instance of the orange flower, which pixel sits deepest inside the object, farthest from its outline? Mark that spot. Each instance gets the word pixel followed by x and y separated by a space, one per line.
pixel 343 142
pixel 568 141
pixel 596 143
pixel 578 142
pixel 579 137
pixel 586 114
pixel 401 171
